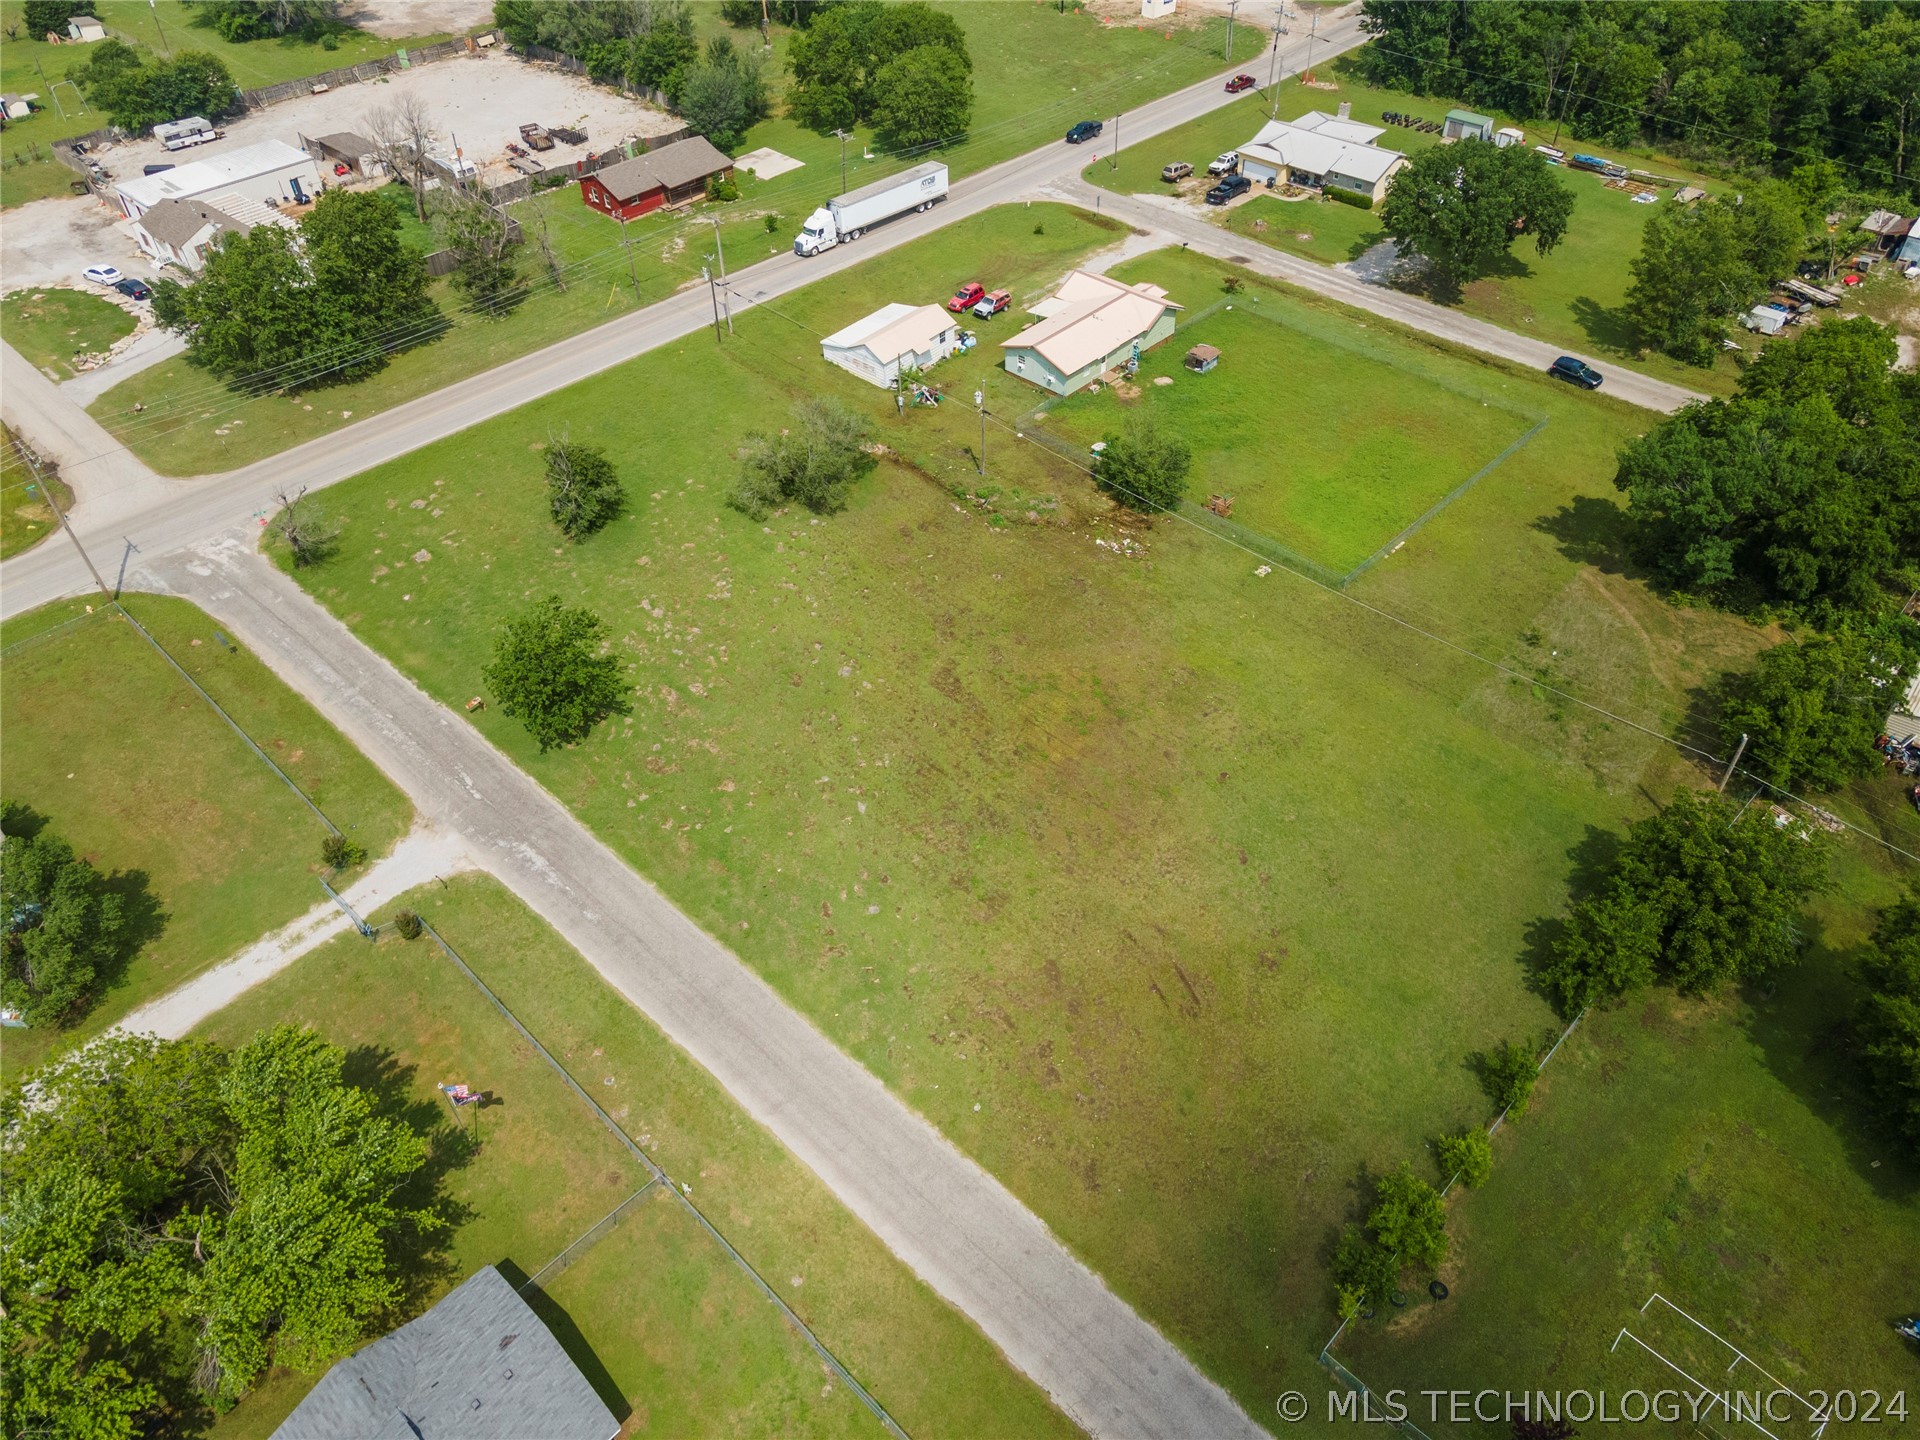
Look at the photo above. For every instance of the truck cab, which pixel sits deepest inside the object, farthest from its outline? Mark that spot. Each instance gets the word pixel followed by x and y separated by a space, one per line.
pixel 819 233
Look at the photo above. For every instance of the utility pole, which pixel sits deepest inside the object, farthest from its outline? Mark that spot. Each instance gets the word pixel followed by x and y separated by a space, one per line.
pixel 58 109
pixel 843 160
pixel 1732 763
pixel 60 518
pixel 1232 9
pixel 706 273
pixel 626 246
pixel 766 27
pixel 1313 31
pixel 1566 103
pixel 157 28
pixel 721 255
pixel 1273 62
pixel 980 404
pixel 1113 155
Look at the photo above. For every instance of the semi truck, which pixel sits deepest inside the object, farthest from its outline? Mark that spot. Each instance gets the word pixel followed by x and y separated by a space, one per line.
pixel 847 217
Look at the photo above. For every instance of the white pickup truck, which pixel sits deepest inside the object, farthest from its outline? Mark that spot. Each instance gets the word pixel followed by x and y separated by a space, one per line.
pixel 846 217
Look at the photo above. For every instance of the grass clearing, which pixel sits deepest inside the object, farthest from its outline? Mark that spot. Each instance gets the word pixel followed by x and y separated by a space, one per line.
pixel 1328 442
pixel 657 1315
pixel 1571 297
pixel 1114 849
pixel 1035 72
pixel 25 516
pixel 107 742
pixel 49 327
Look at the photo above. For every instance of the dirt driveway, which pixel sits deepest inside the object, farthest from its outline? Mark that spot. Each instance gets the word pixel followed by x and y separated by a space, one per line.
pixel 480 101
pixel 50 242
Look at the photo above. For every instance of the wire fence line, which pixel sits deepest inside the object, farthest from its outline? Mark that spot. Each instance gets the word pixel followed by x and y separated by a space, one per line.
pixel 658 1175
pixel 588 1237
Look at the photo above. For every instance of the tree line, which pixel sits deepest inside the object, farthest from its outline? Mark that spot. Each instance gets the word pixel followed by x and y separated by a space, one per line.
pixel 1765 84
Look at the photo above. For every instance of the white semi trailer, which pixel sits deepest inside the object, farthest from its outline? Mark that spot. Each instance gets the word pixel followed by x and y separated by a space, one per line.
pixel 848 216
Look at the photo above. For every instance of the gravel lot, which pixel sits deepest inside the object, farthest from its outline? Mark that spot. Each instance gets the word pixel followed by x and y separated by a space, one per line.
pixel 50 242
pixel 482 100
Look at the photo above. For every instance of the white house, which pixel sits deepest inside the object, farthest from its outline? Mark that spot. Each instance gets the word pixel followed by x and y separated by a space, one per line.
pixel 180 232
pixel 85 29
pixel 1092 324
pixel 893 338
pixel 270 171
pixel 1320 150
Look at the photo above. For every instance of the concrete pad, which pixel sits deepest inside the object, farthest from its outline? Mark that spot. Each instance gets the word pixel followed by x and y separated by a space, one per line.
pixel 767 163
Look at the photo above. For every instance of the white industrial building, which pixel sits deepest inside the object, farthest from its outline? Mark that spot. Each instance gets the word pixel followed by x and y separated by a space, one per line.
pixel 893 338
pixel 1319 150
pixel 271 172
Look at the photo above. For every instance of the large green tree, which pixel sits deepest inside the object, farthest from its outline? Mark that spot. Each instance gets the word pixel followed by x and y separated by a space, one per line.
pixel 583 489
pixel 550 671
pixel 1704 893
pixel 923 97
pixel 1701 265
pixel 240 20
pixel 1462 207
pixel 1812 709
pixel 725 93
pixel 139 92
pixel 178 1217
pixel 273 309
pixel 1887 1026
pixel 1803 490
pixel 66 930
pixel 1144 466
pixel 839 59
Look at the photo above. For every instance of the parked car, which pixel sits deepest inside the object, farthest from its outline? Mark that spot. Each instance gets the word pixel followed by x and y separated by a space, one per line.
pixel 967 296
pixel 134 289
pixel 1085 131
pixel 1575 372
pixel 105 274
pixel 1239 83
pixel 1178 170
pixel 1228 188
pixel 992 303
pixel 1227 164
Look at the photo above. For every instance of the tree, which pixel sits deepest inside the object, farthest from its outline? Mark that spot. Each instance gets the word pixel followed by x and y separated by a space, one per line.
pixel 304 528
pixel 1462 207
pixel 814 462
pixel 271 310
pixel 1704 893
pixel 341 852
pixel 138 93
pixel 481 240
pixel 548 672
pixel 1468 1155
pixel 49 17
pixel 1812 709
pixel 1803 491
pixel 402 131
pixel 1507 1073
pixel 180 1216
pixel 1144 467
pixel 839 59
pixel 1408 1219
pixel 240 20
pixel 583 490
pixel 1365 1271
pixel 1702 264
pixel 1887 1024
pixel 923 97
pixel 66 930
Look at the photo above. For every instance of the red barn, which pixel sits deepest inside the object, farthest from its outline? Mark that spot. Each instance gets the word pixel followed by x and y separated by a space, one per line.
pixel 672 175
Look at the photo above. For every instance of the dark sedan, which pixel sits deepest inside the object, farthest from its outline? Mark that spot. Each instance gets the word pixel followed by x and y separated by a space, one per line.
pixel 1239 83
pixel 1575 372
pixel 134 289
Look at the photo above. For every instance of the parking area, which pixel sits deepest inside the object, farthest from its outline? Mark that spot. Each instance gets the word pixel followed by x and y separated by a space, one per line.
pixel 51 242
pixel 477 102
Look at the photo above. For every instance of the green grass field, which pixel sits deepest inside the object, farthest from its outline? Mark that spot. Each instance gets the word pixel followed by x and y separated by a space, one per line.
pixel 25 516
pixel 108 743
pixel 49 327
pixel 30 65
pixel 1201 886
pixel 1328 442
pixel 1571 297
pixel 1035 72
pixel 654 1311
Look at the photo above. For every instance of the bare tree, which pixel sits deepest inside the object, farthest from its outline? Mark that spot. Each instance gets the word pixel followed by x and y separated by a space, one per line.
pixel 306 531
pixel 542 231
pixel 401 130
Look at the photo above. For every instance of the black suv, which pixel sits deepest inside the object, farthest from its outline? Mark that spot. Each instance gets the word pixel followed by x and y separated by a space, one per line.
pixel 1228 188
pixel 1085 131
pixel 1575 372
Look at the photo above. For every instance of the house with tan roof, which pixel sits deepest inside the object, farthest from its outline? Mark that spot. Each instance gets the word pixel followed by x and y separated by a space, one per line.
pixel 895 337
pixel 1091 324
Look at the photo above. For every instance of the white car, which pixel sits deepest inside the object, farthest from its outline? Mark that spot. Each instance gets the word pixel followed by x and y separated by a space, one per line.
pixel 1225 164
pixel 104 274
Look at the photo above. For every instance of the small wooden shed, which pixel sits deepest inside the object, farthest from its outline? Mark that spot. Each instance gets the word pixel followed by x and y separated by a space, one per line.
pixel 1202 358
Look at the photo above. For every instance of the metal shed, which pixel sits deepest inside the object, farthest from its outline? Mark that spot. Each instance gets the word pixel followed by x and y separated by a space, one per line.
pixel 1202 358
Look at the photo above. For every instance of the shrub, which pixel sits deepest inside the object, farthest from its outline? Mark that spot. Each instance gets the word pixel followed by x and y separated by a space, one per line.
pixel 408 925
pixel 1348 197
pixel 814 461
pixel 772 222
pixel 1408 1219
pixel 722 188
pixel 338 852
pixel 1507 1074
pixel 1363 1270
pixel 1468 1155
pixel 1144 467
pixel 583 490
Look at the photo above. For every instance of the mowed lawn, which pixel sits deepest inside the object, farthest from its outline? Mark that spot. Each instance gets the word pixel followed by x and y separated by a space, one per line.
pixel 1036 71
pixel 1200 886
pixel 675 1337
pixel 139 774
pixel 1572 296
pixel 25 516
pixel 1327 441
pixel 49 327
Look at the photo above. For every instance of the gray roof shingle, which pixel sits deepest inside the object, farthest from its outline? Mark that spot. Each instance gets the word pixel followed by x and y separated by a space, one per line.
pixel 670 166
pixel 175 222
pixel 478 1366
